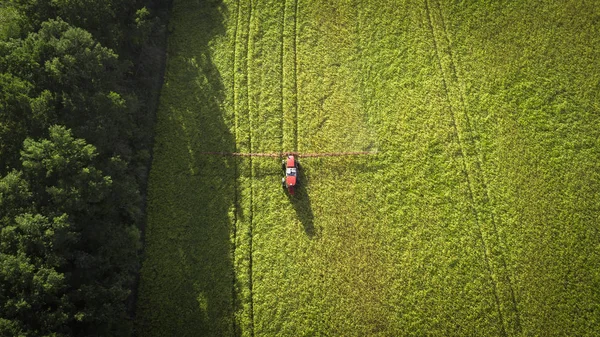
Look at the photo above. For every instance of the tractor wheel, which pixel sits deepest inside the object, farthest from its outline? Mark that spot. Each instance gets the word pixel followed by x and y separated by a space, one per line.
pixel 283 165
pixel 283 183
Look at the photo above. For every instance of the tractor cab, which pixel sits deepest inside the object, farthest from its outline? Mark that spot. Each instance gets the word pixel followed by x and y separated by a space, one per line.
pixel 290 166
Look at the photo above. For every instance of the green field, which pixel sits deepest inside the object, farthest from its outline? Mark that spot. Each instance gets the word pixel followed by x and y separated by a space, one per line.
pixel 479 214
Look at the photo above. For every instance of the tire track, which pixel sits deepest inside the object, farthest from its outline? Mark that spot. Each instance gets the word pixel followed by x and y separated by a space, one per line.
pixel 282 68
pixel 296 74
pixel 236 328
pixel 479 165
pixel 250 242
pixel 465 169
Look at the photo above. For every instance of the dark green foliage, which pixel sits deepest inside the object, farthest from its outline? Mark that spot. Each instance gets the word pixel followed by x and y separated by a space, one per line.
pixel 64 251
pixel 10 23
pixel 33 293
pixel 61 172
pixel 106 20
pixel 72 79
pixel 77 92
pixel 15 118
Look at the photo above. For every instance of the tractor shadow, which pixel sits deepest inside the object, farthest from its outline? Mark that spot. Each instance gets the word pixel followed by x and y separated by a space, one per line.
pixel 302 205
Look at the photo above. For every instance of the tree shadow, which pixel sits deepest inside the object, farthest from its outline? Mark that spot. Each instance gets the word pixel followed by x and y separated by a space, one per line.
pixel 188 283
pixel 302 205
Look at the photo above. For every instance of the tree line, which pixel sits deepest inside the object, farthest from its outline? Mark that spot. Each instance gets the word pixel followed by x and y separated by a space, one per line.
pixel 78 87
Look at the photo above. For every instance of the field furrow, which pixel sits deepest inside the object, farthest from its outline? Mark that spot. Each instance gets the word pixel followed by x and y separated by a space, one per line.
pixel 244 250
pixel 478 186
pixel 251 56
pixel 282 77
pixel 297 129
pixel 485 195
pixel 289 77
pixel 236 207
pixel 447 83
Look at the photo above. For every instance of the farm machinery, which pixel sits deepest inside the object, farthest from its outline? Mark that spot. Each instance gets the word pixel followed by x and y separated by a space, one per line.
pixel 290 166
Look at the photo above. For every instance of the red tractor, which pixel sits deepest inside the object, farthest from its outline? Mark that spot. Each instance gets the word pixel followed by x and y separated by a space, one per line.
pixel 290 166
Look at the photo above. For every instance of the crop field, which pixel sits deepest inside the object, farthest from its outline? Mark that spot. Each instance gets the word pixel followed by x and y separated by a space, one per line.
pixel 478 213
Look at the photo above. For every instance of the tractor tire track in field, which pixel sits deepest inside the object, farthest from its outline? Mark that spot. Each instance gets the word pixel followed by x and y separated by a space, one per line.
pixel 282 78
pixel 466 171
pixel 296 4
pixel 236 327
pixel 244 306
pixel 250 242
pixel 289 88
pixel 486 197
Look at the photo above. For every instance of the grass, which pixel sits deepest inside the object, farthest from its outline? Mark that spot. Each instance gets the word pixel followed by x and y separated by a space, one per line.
pixel 478 215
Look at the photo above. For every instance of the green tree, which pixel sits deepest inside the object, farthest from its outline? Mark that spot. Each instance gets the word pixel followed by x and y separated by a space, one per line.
pixel 15 118
pixel 33 290
pixel 10 23
pixel 106 20
pixel 73 81
pixel 67 260
pixel 62 173
pixel 70 204
pixel 33 299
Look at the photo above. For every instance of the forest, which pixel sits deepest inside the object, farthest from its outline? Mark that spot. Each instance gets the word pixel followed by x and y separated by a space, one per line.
pixel 78 90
